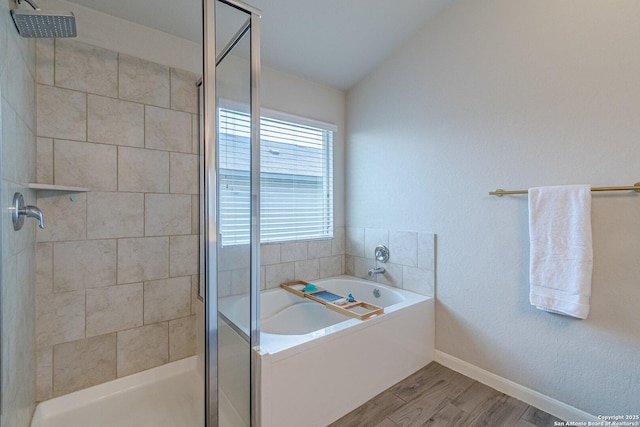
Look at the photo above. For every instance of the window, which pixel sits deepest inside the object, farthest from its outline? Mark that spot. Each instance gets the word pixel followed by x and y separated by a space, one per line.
pixel 296 179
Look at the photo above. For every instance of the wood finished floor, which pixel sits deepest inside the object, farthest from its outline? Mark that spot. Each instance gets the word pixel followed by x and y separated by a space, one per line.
pixel 438 396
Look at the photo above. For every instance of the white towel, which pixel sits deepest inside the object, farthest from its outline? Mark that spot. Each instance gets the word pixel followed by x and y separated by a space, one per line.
pixel 561 249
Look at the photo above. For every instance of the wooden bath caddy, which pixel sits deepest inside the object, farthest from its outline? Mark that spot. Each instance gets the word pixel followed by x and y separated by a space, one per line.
pixel 329 299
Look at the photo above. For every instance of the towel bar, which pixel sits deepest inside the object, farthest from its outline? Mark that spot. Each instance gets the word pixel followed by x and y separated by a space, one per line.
pixel 635 187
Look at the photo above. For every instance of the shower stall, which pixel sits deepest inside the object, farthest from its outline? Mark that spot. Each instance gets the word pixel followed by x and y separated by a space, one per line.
pixel 110 313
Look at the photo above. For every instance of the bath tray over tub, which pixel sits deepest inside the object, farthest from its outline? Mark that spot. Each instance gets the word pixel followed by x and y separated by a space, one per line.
pixel 358 309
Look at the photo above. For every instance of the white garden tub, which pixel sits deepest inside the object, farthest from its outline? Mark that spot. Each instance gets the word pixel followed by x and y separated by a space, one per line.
pixel 316 365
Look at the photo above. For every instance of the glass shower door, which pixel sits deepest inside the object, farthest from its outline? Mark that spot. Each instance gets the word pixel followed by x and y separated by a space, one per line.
pixel 233 237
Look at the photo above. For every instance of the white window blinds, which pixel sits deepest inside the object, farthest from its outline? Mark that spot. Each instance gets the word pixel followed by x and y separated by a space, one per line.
pixel 296 180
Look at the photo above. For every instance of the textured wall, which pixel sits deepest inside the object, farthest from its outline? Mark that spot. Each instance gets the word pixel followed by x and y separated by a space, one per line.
pixel 496 93
pixel 116 266
pixel 18 145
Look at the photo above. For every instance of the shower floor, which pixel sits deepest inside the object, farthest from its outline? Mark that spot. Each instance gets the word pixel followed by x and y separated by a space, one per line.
pixel 168 396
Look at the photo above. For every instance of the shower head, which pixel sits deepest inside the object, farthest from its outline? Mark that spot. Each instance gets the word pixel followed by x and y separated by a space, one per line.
pixel 42 24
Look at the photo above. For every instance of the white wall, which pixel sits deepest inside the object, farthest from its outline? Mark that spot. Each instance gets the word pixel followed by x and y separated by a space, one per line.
pixel 497 93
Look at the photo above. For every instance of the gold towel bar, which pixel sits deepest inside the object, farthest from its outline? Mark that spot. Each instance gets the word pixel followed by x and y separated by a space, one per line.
pixel 635 187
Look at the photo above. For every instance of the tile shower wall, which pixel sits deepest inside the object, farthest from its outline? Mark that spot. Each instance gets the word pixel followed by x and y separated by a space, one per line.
pixel 306 260
pixel 282 262
pixel 412 257
pixel 17 154
pixel 116 266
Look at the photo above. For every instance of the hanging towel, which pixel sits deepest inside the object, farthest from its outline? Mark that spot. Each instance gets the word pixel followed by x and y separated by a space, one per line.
pixel 561 257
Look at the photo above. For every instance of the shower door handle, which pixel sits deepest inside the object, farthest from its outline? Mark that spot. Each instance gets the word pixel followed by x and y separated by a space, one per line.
pixel 20 211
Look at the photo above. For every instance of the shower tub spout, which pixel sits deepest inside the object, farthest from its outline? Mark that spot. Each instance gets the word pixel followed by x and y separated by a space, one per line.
pixel 377 270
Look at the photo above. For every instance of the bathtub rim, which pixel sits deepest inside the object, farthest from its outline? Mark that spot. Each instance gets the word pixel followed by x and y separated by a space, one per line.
pixel 280 348
pixel 278 352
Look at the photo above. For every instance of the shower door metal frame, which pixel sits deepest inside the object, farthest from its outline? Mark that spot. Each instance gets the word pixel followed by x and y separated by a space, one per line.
pixel 211 208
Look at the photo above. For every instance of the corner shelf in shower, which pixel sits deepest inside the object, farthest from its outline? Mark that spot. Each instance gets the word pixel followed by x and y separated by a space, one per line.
pixel 53 187
pixel 358 309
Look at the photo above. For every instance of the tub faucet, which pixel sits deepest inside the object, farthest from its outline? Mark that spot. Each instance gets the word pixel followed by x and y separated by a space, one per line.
pixel 377 270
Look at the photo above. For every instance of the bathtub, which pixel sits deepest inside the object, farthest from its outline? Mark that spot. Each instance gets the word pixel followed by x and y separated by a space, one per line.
pixel 315 365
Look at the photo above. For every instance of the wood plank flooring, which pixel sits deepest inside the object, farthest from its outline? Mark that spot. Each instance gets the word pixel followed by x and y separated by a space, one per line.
pixel 439 397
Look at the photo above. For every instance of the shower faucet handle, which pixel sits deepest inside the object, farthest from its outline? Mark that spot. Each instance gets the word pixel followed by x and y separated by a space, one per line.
pixel 33 212
pixel 19 211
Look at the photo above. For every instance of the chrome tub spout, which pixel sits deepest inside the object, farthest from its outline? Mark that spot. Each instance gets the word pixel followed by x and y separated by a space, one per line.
pixel 377 270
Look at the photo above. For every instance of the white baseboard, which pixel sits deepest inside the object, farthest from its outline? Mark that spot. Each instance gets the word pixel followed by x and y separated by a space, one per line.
pixel 552 406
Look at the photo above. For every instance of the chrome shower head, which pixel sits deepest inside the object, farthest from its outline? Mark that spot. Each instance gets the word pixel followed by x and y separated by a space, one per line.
pixel 43 24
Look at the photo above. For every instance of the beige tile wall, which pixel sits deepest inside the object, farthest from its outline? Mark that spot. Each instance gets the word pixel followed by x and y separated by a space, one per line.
pixel 282 262
pixel 412 261
pixel 115 266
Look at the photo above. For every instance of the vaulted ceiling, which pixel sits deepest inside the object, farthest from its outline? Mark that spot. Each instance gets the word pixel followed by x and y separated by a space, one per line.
pixel 334 42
